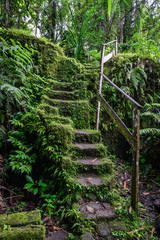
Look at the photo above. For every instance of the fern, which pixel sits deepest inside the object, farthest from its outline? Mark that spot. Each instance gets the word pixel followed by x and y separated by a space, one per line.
pixel 137 76
pixel 150 131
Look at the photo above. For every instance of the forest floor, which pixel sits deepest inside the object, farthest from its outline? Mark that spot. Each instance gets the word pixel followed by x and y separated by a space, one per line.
pixel 149 199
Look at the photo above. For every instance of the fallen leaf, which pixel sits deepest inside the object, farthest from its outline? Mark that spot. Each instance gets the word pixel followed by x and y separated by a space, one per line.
pixel 125 184
pixel 90 209
pixel 57 228
pixel 89 179
pixel 130 209
pixel 94 160
pixel 146 193
pixel 153 229
pixel 46 219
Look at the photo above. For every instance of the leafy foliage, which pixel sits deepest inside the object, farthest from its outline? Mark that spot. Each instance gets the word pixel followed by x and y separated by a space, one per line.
pixel 80 32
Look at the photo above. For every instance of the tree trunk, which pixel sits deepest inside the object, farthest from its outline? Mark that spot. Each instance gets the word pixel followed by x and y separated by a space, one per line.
pixel 121 32
pixel 7 12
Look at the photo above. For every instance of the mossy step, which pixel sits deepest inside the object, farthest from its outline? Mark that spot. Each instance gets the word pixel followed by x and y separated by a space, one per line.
pixel 78 111
pixel 48 108
pixel 95 165
pixel 62 120
pixel 59 134
pixel 21 218
pixel 98 210
pixel 31 232
pixel 87 136
pixel 64 95
pixel 54 118
pixel 90 179
pixel 87 149
pixel 69 86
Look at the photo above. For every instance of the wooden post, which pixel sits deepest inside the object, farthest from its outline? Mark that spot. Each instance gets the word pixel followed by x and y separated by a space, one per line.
pixel 135 159
pixel 116 46
pixel 100 86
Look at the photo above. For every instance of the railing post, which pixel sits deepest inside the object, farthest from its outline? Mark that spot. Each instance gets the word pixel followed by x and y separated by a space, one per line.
pixel 100 86
pixel 135 159
pixel 116 46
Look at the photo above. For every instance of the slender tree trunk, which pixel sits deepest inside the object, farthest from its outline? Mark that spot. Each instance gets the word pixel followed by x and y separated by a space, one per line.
pixel 53 19
pixel 121 32
pixel 7 3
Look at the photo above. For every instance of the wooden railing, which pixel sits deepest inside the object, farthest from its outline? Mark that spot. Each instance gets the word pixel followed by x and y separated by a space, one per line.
pixel 133 137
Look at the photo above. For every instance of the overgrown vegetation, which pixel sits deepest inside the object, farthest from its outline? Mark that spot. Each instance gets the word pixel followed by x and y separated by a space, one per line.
pixel 35 139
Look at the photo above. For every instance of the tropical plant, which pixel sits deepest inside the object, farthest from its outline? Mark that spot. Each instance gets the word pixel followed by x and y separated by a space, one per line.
pixel 36 187
pixel 80 31
pixel 151 131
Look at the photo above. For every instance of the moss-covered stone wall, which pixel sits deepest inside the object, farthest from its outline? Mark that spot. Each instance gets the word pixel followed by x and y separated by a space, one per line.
pixel 48 58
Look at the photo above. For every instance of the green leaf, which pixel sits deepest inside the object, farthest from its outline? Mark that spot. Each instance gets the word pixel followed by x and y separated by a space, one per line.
pixel 42 184
pixel 109 7
pixel 35 191
pixel 29 179
pixel 28 185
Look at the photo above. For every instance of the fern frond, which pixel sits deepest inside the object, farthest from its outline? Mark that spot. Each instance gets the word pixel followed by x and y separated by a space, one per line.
pixel 155 116
pixel 149 131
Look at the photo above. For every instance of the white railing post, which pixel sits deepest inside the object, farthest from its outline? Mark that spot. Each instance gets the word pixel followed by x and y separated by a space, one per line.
pixel 100 86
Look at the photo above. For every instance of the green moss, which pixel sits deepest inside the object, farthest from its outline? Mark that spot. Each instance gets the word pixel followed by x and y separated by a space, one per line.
pixel 80 86
pixel 98 151
pixel 60 135
pixel 65 95
pixel 78 111
pixel 91 136
pixel 105 168
pixel 24 233
pixel 48 109
pixel 21 218
pixel 100 192
pixel 68 68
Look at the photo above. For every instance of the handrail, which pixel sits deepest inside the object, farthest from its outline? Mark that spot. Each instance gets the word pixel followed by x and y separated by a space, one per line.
pixel 134 137
pixel 102 63
pixel 105 44
pixel 120 90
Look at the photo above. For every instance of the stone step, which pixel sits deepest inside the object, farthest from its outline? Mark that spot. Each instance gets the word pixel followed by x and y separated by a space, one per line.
pixel 94 165
pixel 55 118
pixel 93 180
pixel 97 210
pixel 86 136
pixel 60 134
pixel 87 149
pixel 92 186
pixel 76 110
pixel 48 108
pixel 21 218
pixel 64 95
pixel 30 232
pixel 69 86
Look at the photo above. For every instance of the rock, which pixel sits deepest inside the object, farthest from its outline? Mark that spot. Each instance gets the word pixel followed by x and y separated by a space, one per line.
pixel 117 225
pixel 156 203
pixel 58 235
pixel 90 209
pixel 99 210
pixel 103 230
pixel 87 236
pixel 157 225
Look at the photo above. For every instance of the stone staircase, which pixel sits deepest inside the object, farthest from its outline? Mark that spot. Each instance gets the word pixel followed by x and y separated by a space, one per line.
pixel 94 169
